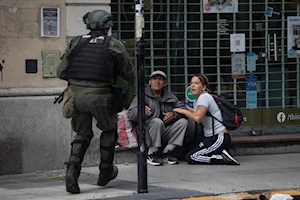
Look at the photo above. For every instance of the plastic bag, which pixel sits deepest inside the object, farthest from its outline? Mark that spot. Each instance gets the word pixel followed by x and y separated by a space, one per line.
pixel 126 131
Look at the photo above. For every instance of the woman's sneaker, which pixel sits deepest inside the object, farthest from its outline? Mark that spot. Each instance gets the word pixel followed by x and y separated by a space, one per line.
pixel 154 159
pixel 168 158
pixel 228 159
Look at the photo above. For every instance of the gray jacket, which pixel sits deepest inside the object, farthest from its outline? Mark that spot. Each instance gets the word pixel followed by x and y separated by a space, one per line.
pixel 168 102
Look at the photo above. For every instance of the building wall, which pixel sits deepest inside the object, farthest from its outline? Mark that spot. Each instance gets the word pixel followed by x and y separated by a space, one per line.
pixel 34 135
pixel 21 39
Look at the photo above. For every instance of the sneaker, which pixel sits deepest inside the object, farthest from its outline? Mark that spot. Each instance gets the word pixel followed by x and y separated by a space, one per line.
pixel 168 158
pixel 228 159
pixel 105 177
pixel 154 159
pixel 216 160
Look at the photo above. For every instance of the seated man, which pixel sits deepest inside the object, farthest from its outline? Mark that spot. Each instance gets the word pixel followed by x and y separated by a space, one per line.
pixel 163 127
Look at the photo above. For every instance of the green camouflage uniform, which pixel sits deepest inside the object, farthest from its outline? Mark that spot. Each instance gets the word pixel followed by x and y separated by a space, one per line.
pixel 94 99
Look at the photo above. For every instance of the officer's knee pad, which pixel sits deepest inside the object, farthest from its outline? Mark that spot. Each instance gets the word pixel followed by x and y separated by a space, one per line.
pixel 85 140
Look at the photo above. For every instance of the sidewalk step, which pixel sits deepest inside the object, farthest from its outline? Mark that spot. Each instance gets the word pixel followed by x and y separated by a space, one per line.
pixel 241 145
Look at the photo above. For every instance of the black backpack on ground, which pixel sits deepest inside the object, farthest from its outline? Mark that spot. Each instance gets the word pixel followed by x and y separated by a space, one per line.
pixel 231 114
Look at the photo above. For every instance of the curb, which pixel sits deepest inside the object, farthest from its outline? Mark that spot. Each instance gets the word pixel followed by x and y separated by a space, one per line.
pixel 249 196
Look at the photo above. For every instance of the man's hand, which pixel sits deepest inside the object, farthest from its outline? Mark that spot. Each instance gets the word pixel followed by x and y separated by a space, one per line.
pixel 169 116
pixel 147 111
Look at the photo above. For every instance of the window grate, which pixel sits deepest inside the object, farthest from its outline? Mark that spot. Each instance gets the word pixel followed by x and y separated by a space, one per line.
pixel 182 41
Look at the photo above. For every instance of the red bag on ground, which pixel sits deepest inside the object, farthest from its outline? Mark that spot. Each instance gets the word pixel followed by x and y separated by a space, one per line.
pixel 126 131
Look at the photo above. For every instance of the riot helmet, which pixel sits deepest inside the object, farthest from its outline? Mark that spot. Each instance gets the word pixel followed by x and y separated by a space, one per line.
pixel 98 19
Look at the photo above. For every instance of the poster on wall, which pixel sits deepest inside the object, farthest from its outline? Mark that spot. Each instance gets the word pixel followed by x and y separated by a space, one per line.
pixel 238 69
pixel 237 42
pixel 220 6
pixel 293 36
pixel 50 18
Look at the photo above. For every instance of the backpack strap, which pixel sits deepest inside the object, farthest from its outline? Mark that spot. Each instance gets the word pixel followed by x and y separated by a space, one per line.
pixel 212 120
pixel 213 125
pixel 209 114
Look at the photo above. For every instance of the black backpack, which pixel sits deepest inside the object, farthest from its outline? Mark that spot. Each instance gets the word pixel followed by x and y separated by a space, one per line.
pixel 232 115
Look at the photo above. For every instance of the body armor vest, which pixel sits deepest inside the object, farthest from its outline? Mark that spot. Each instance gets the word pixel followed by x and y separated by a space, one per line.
pixel 92 61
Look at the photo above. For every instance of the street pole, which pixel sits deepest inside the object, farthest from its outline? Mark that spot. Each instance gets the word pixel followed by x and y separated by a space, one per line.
pixel 140 54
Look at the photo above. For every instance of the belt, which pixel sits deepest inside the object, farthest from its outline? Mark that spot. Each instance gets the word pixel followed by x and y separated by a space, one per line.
pixel 90 90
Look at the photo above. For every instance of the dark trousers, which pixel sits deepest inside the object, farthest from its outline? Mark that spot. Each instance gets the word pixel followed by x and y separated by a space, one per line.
pixel 210 146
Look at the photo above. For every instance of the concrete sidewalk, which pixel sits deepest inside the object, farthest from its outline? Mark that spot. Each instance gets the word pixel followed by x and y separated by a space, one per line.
pixel 256 175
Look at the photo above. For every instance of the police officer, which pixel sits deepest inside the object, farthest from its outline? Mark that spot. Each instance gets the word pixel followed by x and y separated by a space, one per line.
pixel 90 65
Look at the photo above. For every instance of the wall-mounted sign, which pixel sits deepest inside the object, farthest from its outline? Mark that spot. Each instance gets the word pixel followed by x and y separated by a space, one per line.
pixel 50 18
pixel 285 116
pixel 220 6
pixel 189 96
pixel 238 66
pixel 276 118
pixel 293 36
pixel 237 42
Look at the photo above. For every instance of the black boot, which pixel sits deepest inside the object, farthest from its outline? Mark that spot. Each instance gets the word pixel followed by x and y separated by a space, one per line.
pixel 79 147
pixel 106 176
pixel 108 171
pixel 71 178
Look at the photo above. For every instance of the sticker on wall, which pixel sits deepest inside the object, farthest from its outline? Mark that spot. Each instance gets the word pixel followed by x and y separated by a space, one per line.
pixel 237 42
pixel 238 66
pixel 50 18
pixel 251 61
pixel 293 36
pixel 269 11
pixel 251 91
pixel 272 12
pixel 251 99
pixel 276 14
pixel 251 82
pixel 220 6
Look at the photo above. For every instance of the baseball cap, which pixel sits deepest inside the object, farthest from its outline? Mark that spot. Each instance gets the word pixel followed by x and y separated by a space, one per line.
pixel 158 72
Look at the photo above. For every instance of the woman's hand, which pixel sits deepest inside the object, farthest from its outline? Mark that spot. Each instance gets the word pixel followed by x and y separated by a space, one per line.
pixel 189 108
pixel 179 110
